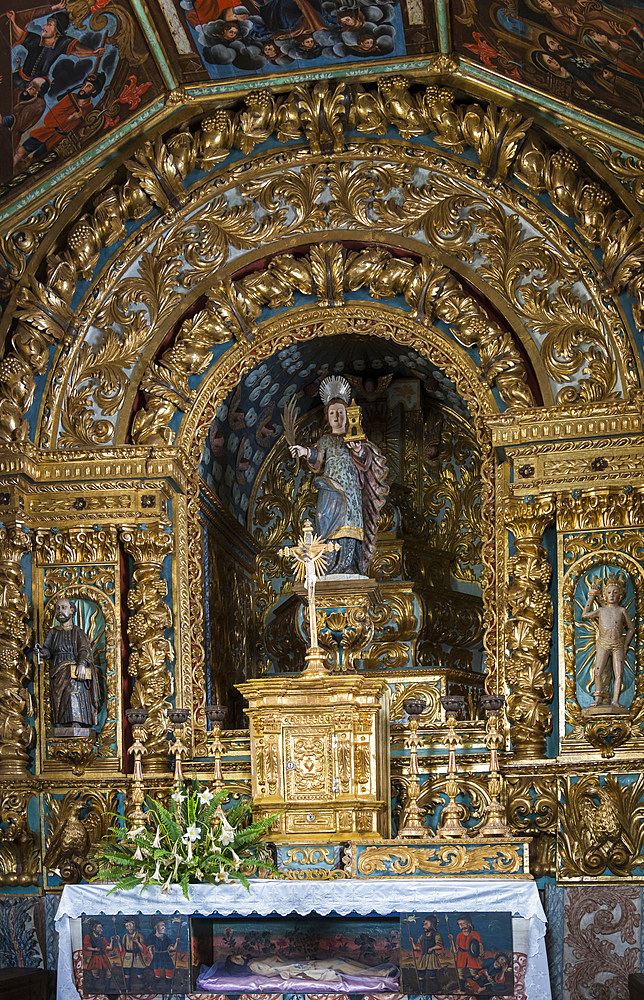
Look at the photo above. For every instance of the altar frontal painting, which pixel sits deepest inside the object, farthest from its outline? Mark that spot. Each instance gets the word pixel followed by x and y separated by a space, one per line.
pixel 456 954
pixel 135 954
pixel 304 955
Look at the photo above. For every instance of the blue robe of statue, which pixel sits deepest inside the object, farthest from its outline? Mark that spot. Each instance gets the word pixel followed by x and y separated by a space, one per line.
pixel 351 490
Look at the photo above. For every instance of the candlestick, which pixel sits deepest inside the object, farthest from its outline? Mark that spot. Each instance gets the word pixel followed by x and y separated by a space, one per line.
pixel 412 817
pixel 216 715
pixel 137 717
pixel 178 717
pixel 452 814
pixel 495 824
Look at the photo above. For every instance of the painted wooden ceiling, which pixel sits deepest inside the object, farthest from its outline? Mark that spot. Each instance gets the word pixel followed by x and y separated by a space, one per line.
pixel 79 78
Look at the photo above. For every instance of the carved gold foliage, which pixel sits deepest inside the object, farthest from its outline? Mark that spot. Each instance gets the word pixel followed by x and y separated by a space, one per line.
pixel 601 826
pixel 159 174
pixel 532 804
pixel 427 690
pixel 532 808
pixel 149 618
pixel 19 849
pixel 528 629
pixel 575 337
pixel 428 287
pixel 448 860
pixel 99 375
pixel 15 670
pixel 277 517
pixel 308 856
pixel 18 244
pixel 318 112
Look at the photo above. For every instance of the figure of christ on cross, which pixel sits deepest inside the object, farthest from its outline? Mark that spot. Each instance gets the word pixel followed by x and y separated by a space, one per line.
pixel 309 557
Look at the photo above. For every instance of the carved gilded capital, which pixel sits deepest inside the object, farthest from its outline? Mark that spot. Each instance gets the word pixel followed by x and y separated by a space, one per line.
pixel 76 545
pixel 603 508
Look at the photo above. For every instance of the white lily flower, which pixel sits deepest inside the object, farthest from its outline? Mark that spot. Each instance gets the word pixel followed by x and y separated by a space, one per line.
pixel 205 797
pixel 157 871
pixel 178 797
pixel 236 857
pixel 166 885
pixel 157 838
pixel 192 833
pixel 189 855
pixel 137 854
pixel 227 834
pixel 142 873
pixel 198 873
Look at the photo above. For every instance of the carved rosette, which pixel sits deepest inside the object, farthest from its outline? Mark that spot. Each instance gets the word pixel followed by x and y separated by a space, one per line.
pixel 15 701
pixel 528 630
pixel 150 651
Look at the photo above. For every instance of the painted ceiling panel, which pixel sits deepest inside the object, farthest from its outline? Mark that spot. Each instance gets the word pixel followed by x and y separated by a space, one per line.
pixel 80 78
pixel 71 72
pixel 586 52
pixel 256 38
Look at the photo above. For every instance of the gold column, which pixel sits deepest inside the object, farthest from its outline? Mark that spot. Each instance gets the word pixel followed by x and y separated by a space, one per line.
pixel 15 702
pixel 528 629
pixel 149 649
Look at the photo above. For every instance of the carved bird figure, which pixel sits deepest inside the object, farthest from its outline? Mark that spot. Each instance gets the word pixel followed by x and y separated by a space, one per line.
pixel 70 840
pixel 601 821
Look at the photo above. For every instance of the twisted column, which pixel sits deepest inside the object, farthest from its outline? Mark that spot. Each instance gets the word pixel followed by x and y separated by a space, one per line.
pixel 150 651
pixel 16 734
pixel 528 629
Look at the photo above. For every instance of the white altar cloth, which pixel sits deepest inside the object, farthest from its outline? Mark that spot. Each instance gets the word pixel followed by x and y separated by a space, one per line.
pixel 360 897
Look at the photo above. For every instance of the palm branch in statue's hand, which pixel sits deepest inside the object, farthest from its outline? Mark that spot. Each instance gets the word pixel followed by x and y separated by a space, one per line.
pixel 289 419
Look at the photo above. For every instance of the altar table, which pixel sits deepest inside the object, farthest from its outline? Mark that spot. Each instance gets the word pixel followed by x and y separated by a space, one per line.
pixel 343 897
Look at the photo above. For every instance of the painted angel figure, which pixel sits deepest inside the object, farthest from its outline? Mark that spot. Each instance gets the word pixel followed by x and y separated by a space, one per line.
pixel 351 482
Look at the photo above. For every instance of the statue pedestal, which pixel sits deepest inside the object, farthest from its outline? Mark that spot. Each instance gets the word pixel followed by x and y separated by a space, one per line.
pixel 345 623
pixel 320 756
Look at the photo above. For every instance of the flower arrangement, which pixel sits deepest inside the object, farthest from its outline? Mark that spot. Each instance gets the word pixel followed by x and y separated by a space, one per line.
pixel 193 840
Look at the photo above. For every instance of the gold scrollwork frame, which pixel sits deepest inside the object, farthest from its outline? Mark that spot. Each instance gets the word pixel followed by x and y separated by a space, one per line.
pixel 108 745
pixel 570 710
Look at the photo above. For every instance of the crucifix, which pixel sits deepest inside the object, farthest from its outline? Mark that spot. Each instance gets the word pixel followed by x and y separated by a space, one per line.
pixel 309 557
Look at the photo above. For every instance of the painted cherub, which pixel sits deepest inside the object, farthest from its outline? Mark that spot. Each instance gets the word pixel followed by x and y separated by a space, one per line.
pixel 611 620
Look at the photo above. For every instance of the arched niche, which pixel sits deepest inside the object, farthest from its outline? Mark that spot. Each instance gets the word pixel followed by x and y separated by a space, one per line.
pixel 449 379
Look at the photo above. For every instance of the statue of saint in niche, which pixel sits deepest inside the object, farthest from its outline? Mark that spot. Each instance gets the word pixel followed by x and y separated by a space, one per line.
pixel 73 678
pixel 351 480
pixel 612 619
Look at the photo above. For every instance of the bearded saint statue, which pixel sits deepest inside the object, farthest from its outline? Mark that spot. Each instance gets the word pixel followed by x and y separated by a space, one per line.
pixel 351 484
